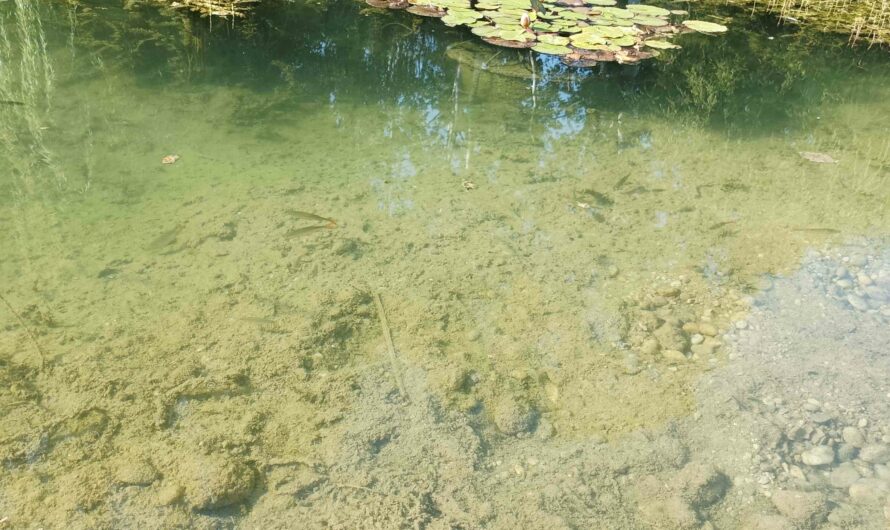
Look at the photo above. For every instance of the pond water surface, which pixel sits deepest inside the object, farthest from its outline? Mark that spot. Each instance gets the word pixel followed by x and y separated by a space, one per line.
pixel 398 278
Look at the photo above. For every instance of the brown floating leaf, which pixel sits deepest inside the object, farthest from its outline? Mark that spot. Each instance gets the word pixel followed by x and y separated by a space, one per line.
pixel 819 158
pixel 426 11
pixel 509 43
pixel 398 4
pixel 576 60
pixel 383 4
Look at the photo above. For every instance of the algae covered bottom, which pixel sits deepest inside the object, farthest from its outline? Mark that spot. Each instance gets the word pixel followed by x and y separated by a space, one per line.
pixel 351 268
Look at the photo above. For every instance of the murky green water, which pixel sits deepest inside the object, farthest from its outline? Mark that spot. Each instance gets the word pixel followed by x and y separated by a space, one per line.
pixel 613 296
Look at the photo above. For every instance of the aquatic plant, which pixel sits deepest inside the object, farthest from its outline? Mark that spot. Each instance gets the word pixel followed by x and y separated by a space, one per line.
pixel 581 32
pixel 864 20
pixel 219 8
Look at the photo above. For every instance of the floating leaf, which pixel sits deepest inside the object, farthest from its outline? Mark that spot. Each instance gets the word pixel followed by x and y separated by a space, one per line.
pixel 654 22
pixel 819 158
pixel 652 11
pixel 601 2
pixel 555 40
pixel 426 11
pixel 551 49
pixel 660 44
pixel 625 40
pixel 485 31
pixel 508 43
pixel 704 27
pixel 617 12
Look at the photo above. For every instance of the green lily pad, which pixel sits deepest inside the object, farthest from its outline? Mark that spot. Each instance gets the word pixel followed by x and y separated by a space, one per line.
pixel 704 27
pixel 661 44
pixel 654 22
pixel 617 12
pixel 651 11
pixel 601 2
pixel 519 36
pixel 551 49
pixel 485 31
pixel 625 40
pixel 556 40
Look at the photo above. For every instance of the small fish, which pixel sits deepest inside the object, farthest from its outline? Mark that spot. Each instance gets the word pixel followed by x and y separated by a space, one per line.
pixel 297 214
pixel 297 232
pixel 170 159
pixel 621 181
pixel 11 102
pixel 720 225
pixel 817 229
pixel 819 158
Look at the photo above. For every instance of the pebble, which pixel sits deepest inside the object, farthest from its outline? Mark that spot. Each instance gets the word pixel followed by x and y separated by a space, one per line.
pixel 613 271
pixel 741 324
pixel 841 272
pixel 650 346
pixel 858 261
pixel 876 293
pixel 869 490
pixel 818 456
pixel 821 417
pixel 844 476
pixel 875 453
pixel 697 338
pixel 513 417
pixel 853 437
pixel 846 452
pixel 804 508
pixel 674 356
pixel 137 472
pixel 169 494
pixel 844 283
pixel 218 481
pixel 857 302
pixel 707 329
pixel 864 279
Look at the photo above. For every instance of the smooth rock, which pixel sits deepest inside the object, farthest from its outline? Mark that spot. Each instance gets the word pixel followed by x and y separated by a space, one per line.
pixel 853 436
pixel 846 452
pixel 876 293
pixel 707 329
pixel 513 417
pixel 701 485
pixel 697 338
pixel 650 346
pixel 818 456
pixel 875 453
pixel 671 338
pixel 136 472
pixel 217 481
pixel 674 356
pixel 843 476
pixel 169 494
pixel 857 302
pixel 671 513
pixel 768 522
pixel 803 508
pixel 869 490
pixel 858 261
pixel 882 471
pixel 841 272
pixel 864 279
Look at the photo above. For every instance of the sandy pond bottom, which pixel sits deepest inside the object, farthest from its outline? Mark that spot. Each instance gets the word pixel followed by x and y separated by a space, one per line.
pixel 596 319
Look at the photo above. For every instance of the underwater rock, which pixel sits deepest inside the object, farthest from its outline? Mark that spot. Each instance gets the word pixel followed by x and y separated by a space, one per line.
pixel 513 417
pixel 671 338
pixel 136 472
pixel 818 456
pixel 169 494
pixel 672 513
pixel 218 481
pixel 843 476
pixel 853 437
pixel 869 490
pixel 875 453
pixel 804 508
pixel 701 485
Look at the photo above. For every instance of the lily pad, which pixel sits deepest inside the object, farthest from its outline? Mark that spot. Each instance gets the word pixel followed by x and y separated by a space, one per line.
pixel 551 49
pixel 485 31
pixel 661 44
pixel 496 41
pixel 654 22
pixel 426 11
pixel 555 40
pixel 647 10
pixel 704 27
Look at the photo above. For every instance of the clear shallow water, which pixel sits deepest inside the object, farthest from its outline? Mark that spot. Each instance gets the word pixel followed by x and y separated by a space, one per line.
pixel 553 251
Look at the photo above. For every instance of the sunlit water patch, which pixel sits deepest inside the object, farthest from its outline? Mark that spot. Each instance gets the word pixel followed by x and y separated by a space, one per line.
pixel 397 277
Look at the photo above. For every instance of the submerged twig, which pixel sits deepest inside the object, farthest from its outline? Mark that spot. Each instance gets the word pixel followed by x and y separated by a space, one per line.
pixel 24 324
pixel 390 344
